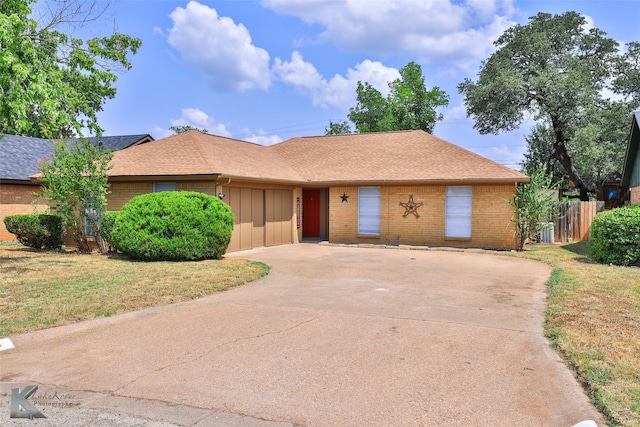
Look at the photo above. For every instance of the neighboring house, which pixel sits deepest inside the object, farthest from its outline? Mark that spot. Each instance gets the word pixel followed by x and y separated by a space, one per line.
pixel 395 188
pixel 631 172
pixel 19 159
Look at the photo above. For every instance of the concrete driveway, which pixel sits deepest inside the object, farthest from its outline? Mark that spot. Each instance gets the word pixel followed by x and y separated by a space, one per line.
pixel 334 336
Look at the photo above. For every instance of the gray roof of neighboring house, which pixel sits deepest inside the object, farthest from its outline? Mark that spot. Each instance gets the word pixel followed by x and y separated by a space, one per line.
pixel 632 149
pixel 20 155
pixel 115 143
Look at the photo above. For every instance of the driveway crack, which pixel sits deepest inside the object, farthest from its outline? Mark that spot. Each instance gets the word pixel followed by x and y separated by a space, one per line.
pixel 231 342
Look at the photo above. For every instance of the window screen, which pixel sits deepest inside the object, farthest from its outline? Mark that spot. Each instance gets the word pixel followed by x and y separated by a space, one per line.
pixel 458 212
pixel 164 186
pixel 369 210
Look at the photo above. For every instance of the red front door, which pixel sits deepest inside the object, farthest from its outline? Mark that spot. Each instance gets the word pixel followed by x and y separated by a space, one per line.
pixel 310 213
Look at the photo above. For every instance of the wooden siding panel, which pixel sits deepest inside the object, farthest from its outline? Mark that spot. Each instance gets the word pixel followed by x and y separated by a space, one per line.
pixel 233 199
pixel 257 218
pixel 279 213
pixel 245 218
pixel 635 172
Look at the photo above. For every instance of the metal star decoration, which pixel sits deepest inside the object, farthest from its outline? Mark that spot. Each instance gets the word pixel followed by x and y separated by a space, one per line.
pixel 344 198
pixel 411 207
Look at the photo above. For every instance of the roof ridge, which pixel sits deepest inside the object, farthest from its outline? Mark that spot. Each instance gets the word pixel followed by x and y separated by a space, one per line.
pixel 357 133
pixel 476 154
pixel 222 136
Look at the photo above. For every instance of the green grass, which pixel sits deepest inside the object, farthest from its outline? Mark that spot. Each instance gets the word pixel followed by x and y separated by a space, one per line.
pixel 45 289
pixel 593 321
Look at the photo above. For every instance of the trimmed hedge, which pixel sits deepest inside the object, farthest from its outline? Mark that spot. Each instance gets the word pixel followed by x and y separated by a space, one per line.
pixel 615 236
pixel 173 226
pixel 39 231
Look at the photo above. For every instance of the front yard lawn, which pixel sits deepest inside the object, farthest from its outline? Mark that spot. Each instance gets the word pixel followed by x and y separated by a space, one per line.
pixel 593 320
pixel 45 289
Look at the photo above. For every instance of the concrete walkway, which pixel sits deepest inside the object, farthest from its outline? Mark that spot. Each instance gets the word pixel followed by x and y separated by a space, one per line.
pixel 334 336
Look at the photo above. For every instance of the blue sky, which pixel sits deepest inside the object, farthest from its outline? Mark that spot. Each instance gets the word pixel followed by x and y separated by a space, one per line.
pixel 267 71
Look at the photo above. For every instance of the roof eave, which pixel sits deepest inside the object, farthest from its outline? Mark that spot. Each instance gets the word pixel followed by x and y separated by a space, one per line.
pixel 263 179
pixel 163 177
pixel 465 181
pixel 17 181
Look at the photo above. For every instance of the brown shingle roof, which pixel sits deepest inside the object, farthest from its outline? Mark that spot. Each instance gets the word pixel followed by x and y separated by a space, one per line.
pixel 196 153
pixel 389 156
pixel 406 156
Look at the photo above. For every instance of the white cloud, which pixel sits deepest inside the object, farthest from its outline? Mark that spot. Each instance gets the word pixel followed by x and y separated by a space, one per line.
pixel 429 30
pixel 262 138
pixel 339 91
pixel 454 114
pixel 199 119
pixel 589 23
pixel 219 48
pixel 159 132
pixel 506 154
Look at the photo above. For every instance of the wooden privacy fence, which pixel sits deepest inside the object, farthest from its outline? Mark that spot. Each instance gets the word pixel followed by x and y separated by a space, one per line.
pixel 575 224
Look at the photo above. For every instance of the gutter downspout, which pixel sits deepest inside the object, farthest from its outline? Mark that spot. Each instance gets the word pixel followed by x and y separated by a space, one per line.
pixel 221 185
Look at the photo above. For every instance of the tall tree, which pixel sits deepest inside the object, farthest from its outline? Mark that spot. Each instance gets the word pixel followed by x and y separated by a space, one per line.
pixel 52 85
pixel 597 145
pixel 75 182
pixel 551 70
pixel 409 104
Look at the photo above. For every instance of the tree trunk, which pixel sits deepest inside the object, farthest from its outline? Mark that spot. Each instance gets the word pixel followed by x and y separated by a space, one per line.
pixel 102 246
pixel 80 238
pixel 560 152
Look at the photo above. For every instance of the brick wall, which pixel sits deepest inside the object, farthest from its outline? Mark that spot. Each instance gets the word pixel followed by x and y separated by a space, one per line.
pixel 16 199
pixel 122 192
pixel 491 225
pixel 635 195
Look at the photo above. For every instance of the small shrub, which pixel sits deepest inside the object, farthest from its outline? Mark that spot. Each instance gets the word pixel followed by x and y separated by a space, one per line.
pixel 173 225
pixel 39 231
pixel 615 236
pixel 106 226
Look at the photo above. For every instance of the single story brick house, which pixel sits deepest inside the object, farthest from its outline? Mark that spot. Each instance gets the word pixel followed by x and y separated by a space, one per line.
pixel 392 188
pixel 631 172
pixel 19 159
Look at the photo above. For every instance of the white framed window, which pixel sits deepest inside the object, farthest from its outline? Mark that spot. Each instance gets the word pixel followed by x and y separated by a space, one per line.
pixel 164 186
pixel 369 211
pixel 458 212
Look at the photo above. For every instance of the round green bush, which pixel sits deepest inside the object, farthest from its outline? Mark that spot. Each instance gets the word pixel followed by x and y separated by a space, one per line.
pixel 39 231
pixel 173 226
pixel 615 236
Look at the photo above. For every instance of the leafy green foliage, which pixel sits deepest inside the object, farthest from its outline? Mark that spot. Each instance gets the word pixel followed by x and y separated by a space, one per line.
pixel 39 231
pixel 341 128
pixel 408 106
pixel 535 207
pixel 53 85
pixel 598 144
pixel 75 182
pixel 179 129
pixel 627 72
pixel 173 225
pixel 615 236
pixel 552 70
pixel 107 224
